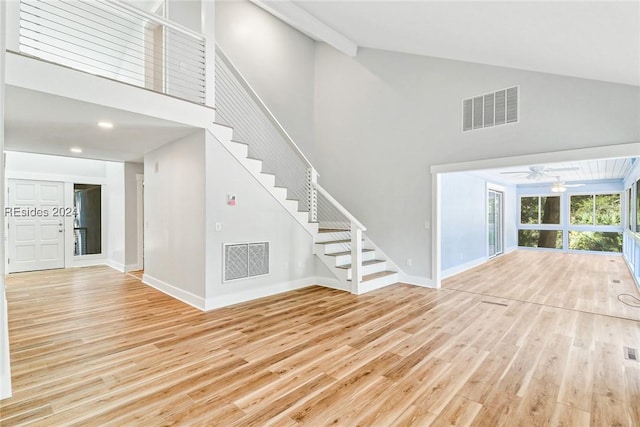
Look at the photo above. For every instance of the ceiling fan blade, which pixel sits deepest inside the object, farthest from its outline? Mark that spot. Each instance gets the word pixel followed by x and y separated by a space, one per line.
pixel 561 169
pixel 573 185
pixel 516 172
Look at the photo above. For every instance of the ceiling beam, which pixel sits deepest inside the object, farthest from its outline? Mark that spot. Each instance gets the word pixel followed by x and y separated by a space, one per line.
pixel 308 24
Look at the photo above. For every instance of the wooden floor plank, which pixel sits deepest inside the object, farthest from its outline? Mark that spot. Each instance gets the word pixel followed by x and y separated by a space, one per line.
pixel 526 339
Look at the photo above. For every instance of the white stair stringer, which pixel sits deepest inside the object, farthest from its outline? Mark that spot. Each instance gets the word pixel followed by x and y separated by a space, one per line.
pixel 334 249
pixel 224 135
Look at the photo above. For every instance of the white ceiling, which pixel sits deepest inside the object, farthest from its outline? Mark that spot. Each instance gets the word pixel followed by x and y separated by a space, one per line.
pixel 610 169
pixel 37 122
pixel 594 40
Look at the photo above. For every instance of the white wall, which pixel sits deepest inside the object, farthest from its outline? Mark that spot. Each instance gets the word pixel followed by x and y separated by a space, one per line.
pixel 5 369
pixel 70 170
pixel 131 170
pixel 257 217
pixel 463 204
pixel 276 59
pixel 382 119
pixel 186 13
pixel 115 209
pixel 174 238
pixel 464 220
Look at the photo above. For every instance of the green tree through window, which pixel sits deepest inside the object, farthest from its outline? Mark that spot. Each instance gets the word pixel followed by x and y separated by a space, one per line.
pixel 540 210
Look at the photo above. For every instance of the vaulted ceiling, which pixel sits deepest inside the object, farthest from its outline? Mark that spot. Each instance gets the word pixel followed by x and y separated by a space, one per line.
pixel 594 40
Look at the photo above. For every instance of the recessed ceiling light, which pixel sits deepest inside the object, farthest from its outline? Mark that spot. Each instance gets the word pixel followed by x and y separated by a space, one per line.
pixel 75 150
pixel 105 125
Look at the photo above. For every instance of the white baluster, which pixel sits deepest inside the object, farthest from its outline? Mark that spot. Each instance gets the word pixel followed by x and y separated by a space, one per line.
pixel 356 258
pixel 312 194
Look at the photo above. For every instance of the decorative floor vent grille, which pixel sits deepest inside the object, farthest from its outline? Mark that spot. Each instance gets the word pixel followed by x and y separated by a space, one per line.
pixel 244 260
pixel 490 109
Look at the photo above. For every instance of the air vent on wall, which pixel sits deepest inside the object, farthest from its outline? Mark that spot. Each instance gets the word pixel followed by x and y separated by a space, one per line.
pixel 490 109
pixel 244 260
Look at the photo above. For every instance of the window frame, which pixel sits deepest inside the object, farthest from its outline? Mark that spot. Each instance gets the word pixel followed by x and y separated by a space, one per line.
pixel 573 227
pixel 539 225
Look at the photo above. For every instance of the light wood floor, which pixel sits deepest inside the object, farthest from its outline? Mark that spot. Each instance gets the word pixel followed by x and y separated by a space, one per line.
pixel 92 346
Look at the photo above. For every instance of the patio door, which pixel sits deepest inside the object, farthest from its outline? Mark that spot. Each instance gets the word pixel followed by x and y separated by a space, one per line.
pixel 495 223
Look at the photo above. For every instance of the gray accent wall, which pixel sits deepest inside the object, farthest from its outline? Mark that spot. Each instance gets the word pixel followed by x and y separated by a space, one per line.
pixel 276 59
pixel 131 211
pixel 382 119
pixel 174 193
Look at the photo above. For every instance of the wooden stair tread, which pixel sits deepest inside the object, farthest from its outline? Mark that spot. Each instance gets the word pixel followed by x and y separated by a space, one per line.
pixel 376 275
pixel 370 262
pixel 348 252
pixel 332 230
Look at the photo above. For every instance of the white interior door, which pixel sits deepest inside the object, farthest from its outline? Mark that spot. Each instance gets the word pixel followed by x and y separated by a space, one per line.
pixel 36 230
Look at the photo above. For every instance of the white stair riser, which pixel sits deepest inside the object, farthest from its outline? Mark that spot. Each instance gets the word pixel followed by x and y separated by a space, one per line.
pixel 378 283
pixel 327 237
pixel 240 151
pixel 255 166
pixel 279 192
pixel 267 179
pixel 369 269
pixel 346 259
pixel 223 133
pixel 303 217
pixel 332 248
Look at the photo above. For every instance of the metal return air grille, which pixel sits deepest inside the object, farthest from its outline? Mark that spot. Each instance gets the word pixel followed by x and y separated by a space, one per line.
pixel 245 260
pixel 491 109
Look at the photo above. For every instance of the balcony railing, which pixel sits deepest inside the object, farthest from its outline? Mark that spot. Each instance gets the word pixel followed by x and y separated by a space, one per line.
pixel 115 40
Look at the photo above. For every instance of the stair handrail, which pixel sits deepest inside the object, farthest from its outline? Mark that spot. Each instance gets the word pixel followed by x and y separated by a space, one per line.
pixel 262 105
pixel 311 188
pixel 341 208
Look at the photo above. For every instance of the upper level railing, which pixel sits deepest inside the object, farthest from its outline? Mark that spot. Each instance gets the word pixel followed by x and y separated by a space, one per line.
pixel 116 40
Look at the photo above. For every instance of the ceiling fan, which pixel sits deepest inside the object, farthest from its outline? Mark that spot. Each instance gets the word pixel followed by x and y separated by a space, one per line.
pixel 539 172
pixel 561 187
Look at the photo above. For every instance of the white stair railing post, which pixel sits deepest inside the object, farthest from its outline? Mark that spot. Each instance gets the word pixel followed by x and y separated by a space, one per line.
pixel 312 194
pixel 356 258
pixel 12 25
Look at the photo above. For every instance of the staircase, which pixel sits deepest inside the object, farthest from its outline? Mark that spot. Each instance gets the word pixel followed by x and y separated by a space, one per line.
pixel 333 246
pixel 262 146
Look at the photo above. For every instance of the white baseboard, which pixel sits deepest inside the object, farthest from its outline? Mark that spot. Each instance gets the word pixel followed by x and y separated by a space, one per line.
pixel 113 264
pixel 424 282
pixel 86 262
pixel 173 291
pixel 252 294
pixel 511 249
pixel 463 267
pixel 5 388
pixel 132 267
